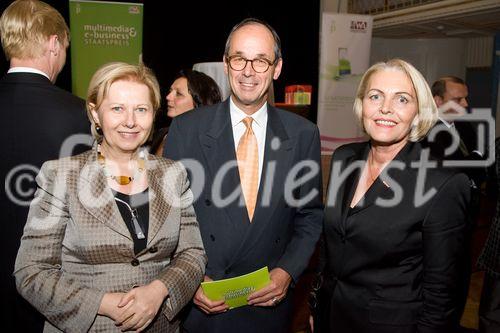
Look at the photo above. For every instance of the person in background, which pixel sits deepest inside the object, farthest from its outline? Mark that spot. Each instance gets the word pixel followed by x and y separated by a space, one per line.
pixel 393 227
pixel 111 241
pixel 265 146
pixel 39 122
pixel 190 89
pixel 450 94
pixel 489 260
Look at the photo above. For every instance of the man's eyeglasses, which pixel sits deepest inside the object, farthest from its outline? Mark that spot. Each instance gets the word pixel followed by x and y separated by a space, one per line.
pixel 259 65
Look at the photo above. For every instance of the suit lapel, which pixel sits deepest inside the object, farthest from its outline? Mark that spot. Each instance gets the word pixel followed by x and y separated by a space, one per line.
pixel 347 190
pixel 219 151
pixel 96 196
pixel 276 160
pixel 392 174
pixel 467 137
pixel 378 190
pixel 161 194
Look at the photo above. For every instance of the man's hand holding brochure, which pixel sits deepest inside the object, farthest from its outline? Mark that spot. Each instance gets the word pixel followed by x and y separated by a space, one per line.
pixel 235 291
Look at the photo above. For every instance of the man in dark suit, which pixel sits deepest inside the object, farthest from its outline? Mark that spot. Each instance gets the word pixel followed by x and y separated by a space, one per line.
pixel 37 118
pixel 450 94
pixel 261 201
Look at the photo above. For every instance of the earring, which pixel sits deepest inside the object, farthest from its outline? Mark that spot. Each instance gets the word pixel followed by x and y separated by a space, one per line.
pixel 98 129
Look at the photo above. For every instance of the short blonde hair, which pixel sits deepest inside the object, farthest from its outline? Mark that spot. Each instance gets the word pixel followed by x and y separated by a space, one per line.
pixel 26 25
pixel 109 73
pixel 427 110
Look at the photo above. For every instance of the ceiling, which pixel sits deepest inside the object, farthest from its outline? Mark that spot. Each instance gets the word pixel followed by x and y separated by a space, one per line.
pixel 458 19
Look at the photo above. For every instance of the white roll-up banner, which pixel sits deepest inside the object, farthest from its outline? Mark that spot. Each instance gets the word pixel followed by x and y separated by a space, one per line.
pixel 344 57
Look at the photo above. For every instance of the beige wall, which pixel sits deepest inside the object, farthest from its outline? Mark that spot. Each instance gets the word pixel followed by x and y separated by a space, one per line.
pixel 333 6
pixel 432 57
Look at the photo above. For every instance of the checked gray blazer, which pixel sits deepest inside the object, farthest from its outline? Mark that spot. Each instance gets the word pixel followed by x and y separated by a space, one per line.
pixel 76 246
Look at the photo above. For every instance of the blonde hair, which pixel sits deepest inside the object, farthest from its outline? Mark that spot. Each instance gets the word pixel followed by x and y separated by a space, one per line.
pixel 26 25
pixel 427 110
pixel 109 73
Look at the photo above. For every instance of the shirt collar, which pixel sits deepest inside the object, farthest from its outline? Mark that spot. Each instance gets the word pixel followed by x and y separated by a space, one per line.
pixel 237 115
pixel 448 124
pixel 27 70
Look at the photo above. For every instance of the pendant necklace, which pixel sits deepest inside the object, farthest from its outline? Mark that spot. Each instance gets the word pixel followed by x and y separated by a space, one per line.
pixel 122 180
pixel 135 223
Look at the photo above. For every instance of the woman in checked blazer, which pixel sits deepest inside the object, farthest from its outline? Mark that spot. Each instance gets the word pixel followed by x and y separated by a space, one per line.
pixel 112 242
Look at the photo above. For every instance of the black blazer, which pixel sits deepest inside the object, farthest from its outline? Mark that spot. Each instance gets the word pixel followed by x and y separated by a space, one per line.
pixel 36 118
pixel 391 268
pixel 280 234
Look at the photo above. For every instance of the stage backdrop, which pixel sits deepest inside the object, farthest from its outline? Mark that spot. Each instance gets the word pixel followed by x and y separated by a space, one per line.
pixel 344 57
pixel 102 32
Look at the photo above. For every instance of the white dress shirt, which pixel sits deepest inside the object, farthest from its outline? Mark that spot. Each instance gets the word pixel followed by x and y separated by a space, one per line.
pixel 259 126
pixel 27 70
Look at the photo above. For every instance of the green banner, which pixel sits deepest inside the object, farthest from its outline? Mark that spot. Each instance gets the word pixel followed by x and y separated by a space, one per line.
pixel 102 32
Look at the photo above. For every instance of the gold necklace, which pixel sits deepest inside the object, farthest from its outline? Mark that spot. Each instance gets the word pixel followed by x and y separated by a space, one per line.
pixel 122 180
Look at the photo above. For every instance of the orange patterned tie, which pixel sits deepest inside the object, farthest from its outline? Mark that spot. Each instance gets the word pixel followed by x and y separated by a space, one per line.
pixel 248 166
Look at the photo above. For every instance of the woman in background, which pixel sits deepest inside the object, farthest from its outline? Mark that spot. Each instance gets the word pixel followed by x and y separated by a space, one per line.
pixel 394 227
pixel 190 89
pixel 112 242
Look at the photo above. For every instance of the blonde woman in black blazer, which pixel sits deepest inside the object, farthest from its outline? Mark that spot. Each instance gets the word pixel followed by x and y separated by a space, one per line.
pixel 393 228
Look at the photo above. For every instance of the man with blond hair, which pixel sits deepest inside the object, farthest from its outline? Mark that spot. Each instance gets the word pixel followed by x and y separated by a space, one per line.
pixel 37 118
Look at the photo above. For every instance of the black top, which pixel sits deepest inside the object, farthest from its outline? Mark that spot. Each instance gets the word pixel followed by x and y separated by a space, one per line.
pixel 140 203
pixel 393 262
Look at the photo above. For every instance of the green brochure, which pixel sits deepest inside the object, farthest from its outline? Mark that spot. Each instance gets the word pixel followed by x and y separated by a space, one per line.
pixel 235 290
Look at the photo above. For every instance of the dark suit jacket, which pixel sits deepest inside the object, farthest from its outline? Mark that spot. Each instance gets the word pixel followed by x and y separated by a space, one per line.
pixel 280 235
pixel 36 118
pixel 391 268
pixel 490 256
pixel 443 140
pixel 468 151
